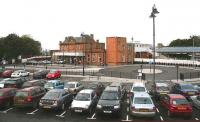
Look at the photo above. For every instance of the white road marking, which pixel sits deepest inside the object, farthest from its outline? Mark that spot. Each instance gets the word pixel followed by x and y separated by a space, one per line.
pixel 92 116
pixel 128 101
pixel 157 110
pixel 127 119
pixel 161 118
pixel 5 111
pixel 196 119
pixel 127 109
pixel 33 112
pixel 61 115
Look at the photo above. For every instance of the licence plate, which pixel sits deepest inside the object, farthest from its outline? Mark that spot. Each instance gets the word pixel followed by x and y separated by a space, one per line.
pixel 107 111
pixel 143 110
pixel 78 110
pixel 47 107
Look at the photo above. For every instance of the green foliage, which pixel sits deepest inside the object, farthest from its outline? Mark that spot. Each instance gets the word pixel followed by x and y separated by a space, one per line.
pixel 13 46
pixel 186 42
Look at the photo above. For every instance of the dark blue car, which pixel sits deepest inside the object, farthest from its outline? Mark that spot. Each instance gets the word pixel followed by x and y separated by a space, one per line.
pixel 184 89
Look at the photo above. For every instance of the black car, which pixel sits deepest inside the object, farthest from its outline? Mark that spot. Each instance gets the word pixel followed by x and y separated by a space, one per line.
pixel 110 101
pixel 14 82
pixel 98 87
pixel 34 83
pixel 184 89
pixel 56 99
pixel 40 74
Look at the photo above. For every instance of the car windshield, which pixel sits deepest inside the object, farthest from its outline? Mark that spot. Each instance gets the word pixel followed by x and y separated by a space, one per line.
pixel 49 84
pixel 180 102
pixel 162 88
pixel 67 85
pixel 142 100
pixel 109 96
pixel 83 97
pixel 52 72
pixel 21 94
pixel 1 94
pixel 11 81
pixel 52 94
pixel 138 89
pixel 187 87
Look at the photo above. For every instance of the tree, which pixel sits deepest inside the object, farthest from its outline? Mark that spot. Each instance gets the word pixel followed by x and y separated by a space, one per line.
pixel 186 42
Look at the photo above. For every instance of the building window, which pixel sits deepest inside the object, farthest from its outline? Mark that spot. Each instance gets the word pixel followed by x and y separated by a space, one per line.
pixel 93 57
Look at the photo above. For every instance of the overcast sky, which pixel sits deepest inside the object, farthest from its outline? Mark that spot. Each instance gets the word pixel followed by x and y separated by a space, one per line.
pixel 50 21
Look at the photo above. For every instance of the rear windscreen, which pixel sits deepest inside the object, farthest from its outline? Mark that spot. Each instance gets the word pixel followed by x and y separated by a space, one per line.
pixel 21 94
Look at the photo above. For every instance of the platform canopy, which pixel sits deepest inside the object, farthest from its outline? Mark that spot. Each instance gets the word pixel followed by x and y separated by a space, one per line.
pixel 178 50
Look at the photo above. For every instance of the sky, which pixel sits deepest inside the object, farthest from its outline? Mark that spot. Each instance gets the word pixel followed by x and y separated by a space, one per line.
pixel 50 21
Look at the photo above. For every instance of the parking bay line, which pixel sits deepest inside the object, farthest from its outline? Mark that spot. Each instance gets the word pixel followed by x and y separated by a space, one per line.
pixel 92 116
pixel 196 119
pixel 61 115
pixel 6 110
pixel 161 118
pixel 157 110
pixel 33 112
pixel 127 119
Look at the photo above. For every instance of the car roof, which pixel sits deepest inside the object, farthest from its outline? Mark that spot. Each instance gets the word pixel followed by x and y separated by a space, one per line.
pixel 32 81
pixel 56 90
pixel 108 88
pixel 89 91
pixel 138 84
pixel 6 89
pixel 161 84
pixel 141 94
pixel 19 70
pixel 29 88
pixel 184 84
pixel 53 81
pixel 72 82
pixel 175 96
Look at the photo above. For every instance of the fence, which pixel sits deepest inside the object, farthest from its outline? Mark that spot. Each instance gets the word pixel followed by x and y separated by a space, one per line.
pixel 189 75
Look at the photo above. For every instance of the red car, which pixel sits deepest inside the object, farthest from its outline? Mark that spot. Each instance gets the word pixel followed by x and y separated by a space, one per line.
pixel 53 74
pixel 7 73
pixel 176 104
pixel 6 96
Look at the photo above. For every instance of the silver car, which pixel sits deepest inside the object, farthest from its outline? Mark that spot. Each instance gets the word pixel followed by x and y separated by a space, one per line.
pixel 141 105
pixel 196 101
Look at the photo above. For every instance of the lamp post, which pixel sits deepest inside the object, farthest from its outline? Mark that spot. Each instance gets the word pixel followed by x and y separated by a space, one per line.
pixel 153 15
pixel 132 50
pixel 46 57
pixel 63 55
pixel 83 58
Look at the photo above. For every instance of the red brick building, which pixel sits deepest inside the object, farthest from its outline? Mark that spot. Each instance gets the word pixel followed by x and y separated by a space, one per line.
pixel 75 50
pixel 118 51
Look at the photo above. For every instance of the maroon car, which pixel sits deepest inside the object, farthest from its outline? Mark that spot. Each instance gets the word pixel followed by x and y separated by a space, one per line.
pixel 7 73
pixel 6 97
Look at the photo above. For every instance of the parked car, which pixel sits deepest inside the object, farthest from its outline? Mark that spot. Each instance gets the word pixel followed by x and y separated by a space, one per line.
pixel 14 83
pixel 34 83
pixel 20 73
pixel 29 97
pixel 120 86
pixel 56 99
pixel 110 101
pixel 176 104
pixel 185 89
pixel 85 101
pixel 142 105
pixel 1 70
pixel 137 87
pixel 159 89
pixel 197 87
pixel 40 74
pixel 54 84
pixel 98 87
pixel 2 82
pixel 7 73
pixel 73 87
pixel 196 101
pixel 6 97
pixel 53 74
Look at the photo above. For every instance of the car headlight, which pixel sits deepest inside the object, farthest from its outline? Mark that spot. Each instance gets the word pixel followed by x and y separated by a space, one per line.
pixel 116 106
pixel 55 103
pixel 99 106
pixel 87 106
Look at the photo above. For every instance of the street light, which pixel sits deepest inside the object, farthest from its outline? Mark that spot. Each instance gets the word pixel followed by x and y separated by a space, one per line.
pixel 153 15
pixel 63 56
pixel 46 57
pixel 83 58
pixel 132 50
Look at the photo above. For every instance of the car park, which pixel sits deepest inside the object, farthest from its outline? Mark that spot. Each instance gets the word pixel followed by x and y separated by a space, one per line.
pixel 56 99
pixel 196 101
pixel 159 89
pixel 14 83
pixel 34 83
pixel 84 101
pixel 176 104
pixel 29 97
pixel 98 87
pixel 73 87
pixel 142 105
pixel 7 73
pixel 20 73
pixel 54 84
pixel 110 101
pixel 53 74
pixel 40 74
pixel 2 82
pixel 6 97
pixel 185 89
pixel 137 87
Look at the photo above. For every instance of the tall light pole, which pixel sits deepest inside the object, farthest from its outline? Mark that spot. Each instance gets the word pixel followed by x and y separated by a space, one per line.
pixel 63 55
pixel 132 50
pixel 193 50
pixel 46 57
pixel 153 15
pixel 82 34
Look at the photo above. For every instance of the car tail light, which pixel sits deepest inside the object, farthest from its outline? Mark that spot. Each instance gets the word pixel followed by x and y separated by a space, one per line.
pixel 172 107
pixel 29 99
pixel 189 108
pixel 15 85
